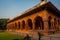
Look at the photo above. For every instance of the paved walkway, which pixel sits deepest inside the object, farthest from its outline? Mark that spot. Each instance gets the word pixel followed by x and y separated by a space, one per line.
pixel 55 36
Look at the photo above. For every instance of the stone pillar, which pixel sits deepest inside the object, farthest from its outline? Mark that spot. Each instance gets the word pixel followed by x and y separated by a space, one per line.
pixel 21 25
pixel 33 26
pixel 17 26
pixel 26 27
pixel 57 24
pixel 52 23
pixel 46 27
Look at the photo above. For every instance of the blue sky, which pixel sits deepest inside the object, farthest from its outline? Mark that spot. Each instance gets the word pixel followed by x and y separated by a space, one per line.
pixel 12 8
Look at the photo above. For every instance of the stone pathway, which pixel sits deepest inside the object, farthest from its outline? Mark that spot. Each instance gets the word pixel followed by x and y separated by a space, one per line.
pixel 55 36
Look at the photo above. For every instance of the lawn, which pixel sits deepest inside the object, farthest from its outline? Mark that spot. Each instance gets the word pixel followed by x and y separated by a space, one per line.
pixel 9 36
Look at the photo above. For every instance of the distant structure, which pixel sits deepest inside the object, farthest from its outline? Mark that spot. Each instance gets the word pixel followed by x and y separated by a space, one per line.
pixel 44 18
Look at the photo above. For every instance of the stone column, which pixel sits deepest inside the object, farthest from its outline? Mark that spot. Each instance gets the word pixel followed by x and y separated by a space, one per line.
pixel 52 23
pixel 26 27
pixel 33 26
pixel 21 25
pixel 57 25
pixel 46 27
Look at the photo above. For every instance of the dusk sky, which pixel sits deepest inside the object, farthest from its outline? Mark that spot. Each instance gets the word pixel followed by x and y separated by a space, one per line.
pixel 12 8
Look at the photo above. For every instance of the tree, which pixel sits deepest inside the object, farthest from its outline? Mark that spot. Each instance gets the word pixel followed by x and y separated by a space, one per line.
pixel 3 23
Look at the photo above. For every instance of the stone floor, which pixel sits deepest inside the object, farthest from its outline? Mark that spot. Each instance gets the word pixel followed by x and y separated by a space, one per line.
pixel 55 36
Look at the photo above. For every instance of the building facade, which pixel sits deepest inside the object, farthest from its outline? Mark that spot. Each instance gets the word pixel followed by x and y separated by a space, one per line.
pixel 44 18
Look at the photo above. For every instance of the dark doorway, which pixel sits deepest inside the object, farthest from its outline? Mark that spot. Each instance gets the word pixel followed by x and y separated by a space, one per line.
pixel 18 25
pixel 39 23
pixel 30 23
pixel 23 24
pixel 49 22
pixel 15 27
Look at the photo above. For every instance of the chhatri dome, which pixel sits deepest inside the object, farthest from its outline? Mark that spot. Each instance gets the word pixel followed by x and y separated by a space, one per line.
pixel 43 2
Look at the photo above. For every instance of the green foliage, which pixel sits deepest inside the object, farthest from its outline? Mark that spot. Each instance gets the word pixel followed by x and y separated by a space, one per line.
pixel 9 36
pixel 3 23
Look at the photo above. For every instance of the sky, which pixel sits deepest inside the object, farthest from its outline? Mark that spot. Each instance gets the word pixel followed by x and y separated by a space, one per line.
pixel 13 8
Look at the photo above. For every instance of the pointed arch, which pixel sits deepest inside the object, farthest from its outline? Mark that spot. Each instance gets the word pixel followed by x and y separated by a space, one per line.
pixel 15 24
pixel 49 22
pixel 15 27
pixel 18 25
pixel 39 23
pixel 55 23
pixel 29 23
pixel 23 24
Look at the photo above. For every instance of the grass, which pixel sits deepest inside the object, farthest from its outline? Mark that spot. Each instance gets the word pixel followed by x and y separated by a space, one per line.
pixel 8 36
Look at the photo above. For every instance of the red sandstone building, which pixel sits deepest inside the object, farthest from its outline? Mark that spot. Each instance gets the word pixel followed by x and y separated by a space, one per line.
pixel 44 18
